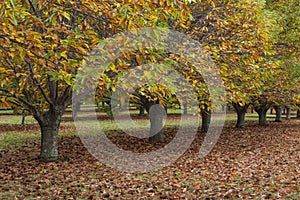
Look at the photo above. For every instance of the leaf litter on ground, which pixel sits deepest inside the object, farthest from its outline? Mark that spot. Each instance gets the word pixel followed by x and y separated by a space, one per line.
pixel 250 163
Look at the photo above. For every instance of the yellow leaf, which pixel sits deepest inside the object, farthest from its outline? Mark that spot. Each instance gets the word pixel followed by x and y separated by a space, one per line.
pixel 183 26
pixel 138 59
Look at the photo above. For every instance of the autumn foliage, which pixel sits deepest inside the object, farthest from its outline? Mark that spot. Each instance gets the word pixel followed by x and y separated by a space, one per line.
pixel 255 45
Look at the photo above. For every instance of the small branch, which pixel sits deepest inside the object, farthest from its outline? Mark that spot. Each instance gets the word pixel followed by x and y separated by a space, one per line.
pixel 4 36
pixel 52 88
pixel 37 83
pixel 34 9
pixel 22 102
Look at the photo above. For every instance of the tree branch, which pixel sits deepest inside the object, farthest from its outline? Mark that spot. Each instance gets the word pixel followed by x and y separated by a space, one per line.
pixel 34 9
pixel 37 83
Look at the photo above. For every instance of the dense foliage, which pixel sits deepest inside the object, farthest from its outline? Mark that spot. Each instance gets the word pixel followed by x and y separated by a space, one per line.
pixel 255 45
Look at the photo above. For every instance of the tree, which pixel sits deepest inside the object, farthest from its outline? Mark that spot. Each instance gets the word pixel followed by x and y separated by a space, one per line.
pixel 247 44
pixel 42 47
pixel 44 44
pixel 239 35
pixel 278 110
pixel 286 82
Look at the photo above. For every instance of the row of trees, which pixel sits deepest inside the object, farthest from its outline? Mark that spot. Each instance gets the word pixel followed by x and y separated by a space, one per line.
pixel 255 45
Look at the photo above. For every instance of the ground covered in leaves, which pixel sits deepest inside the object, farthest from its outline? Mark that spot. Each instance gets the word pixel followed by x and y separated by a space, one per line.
pixel 251 163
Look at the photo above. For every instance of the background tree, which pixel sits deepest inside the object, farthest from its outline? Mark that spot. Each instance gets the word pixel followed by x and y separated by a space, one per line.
pixel 239 35
pixel 285 83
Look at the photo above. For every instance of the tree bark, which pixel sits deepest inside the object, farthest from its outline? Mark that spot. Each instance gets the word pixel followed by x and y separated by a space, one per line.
pixel 49 145
pixel 206 119
pixel 241 113
pixel 185 110
pixel 262 114
pixel 156 120
pixel 75 109
pixel 288 113
pixel 141 111
pixel 278 110
pixel 23 117
pixel 49 123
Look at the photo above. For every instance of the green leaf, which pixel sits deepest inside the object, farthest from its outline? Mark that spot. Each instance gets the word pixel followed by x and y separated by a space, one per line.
pixel 15 20
pixel 51 73
pixel 52 19
pixel 66 15
pixel 13 4
pixel 48 55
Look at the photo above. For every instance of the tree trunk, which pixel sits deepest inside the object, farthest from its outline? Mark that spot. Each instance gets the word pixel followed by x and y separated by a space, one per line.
pixel 49 123
pixel 49 145
pixel 156 126
pixel 262 114
pixel 157 114
pixel 206 119
pixel 185 110
pixel 23 117
pixel 278 110
pixel 75 110
pixel 241 113
pixel 298 113
pixel 141 111
pixel 288 113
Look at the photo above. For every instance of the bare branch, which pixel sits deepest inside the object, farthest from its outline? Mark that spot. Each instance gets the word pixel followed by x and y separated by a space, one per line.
pixel 34 9
pixel 37 83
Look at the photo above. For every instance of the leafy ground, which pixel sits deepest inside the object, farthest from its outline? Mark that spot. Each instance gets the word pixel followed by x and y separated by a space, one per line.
pixel 256 162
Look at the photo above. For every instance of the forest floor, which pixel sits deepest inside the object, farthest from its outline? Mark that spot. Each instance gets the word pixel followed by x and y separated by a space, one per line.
pixel 250 163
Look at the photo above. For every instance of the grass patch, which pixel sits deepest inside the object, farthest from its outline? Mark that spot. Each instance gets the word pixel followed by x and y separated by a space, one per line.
pixel 8 117
pixel 9 140
pixel 21 135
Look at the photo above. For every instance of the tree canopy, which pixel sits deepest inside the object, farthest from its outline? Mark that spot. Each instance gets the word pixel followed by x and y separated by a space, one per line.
pixel 255 45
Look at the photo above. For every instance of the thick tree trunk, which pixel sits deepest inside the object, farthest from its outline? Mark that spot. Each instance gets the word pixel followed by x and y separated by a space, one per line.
pixel 288 113
pixel 262 114
pixel 141 111
pixel 241 113
pixel 278 110
pixel 206 119
pixel 49 143
pixel 262 118
pixel 157 115
pixel 49 123
pixel 156 126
